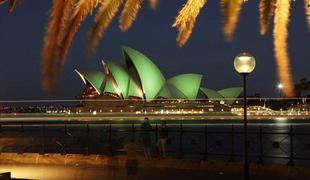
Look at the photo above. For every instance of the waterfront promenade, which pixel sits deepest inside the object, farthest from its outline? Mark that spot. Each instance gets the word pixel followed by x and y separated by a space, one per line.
pixel 71 166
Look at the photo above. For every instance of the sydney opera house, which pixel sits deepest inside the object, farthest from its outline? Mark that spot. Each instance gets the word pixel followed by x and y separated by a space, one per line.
pixel 139 86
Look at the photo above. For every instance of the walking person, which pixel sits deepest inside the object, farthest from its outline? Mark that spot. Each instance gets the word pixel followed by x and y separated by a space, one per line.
pixel 163 138
pixel 146 138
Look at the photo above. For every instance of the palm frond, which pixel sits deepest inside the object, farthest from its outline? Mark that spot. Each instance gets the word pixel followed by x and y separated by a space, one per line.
pixel 13 4
pixel 81 10
pixel 129 14
pixel 307 11
pixel 153 3
pixel 102 20
pixel 185 21
pixel 266 11
pixel 50 47
pixel 231 11
pixel 65 18
pixel 2 2
pixel 185 33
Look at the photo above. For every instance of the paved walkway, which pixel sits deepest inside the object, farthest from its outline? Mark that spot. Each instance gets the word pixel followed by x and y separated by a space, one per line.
pixel 56 167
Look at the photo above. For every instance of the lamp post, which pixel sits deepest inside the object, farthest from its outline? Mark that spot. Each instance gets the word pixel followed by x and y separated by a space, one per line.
pixel 244 64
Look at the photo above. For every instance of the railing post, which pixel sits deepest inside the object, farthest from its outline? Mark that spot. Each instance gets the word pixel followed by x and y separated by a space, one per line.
pixel 43 136
pixel 66 129
pixel 156 133
pixel 110 150
pixel 181 141
pixel 133 131
pixel 87 140
pixel 64 144
pixel 22 131
pixel 232 154
pixel 22 127
pixel 261 148
pixel 206 143
pixel 291 158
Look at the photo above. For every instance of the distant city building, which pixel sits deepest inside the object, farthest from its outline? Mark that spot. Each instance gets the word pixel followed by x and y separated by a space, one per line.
pixel 139 83
pixel 302 88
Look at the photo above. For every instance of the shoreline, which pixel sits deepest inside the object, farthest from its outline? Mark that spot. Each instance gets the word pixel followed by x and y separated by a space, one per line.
pixel 64 118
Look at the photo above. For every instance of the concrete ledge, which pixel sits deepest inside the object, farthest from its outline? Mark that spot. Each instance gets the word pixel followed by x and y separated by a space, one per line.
pixel 53 159
pixel 169 163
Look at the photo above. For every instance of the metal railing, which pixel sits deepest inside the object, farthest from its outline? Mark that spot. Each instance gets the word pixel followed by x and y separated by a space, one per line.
pixel 289 145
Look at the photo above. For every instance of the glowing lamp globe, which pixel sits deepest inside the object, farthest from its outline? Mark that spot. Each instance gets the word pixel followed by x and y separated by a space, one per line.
pixel 244 63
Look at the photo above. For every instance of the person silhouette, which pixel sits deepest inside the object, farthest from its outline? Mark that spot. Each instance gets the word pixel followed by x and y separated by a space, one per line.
pixel 163 137
pixel 146 137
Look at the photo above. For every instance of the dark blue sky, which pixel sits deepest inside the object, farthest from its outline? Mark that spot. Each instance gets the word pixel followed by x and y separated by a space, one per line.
pixel 206 52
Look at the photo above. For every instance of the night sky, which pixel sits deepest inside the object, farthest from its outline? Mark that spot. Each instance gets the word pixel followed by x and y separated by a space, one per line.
pixel 206 52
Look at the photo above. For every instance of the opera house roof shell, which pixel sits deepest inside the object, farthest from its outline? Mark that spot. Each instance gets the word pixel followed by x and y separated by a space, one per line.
pixel 141 78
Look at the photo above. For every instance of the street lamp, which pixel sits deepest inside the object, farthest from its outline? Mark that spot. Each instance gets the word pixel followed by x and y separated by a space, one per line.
pixel 244 64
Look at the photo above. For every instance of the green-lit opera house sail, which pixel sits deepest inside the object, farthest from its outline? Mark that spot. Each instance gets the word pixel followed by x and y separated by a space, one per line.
pixel 229 95
pixel 169 91
pixel 187 84
pixel 94 78
pixel 125 85
pixel 212 94
pixel 149 76
pixel 120 76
